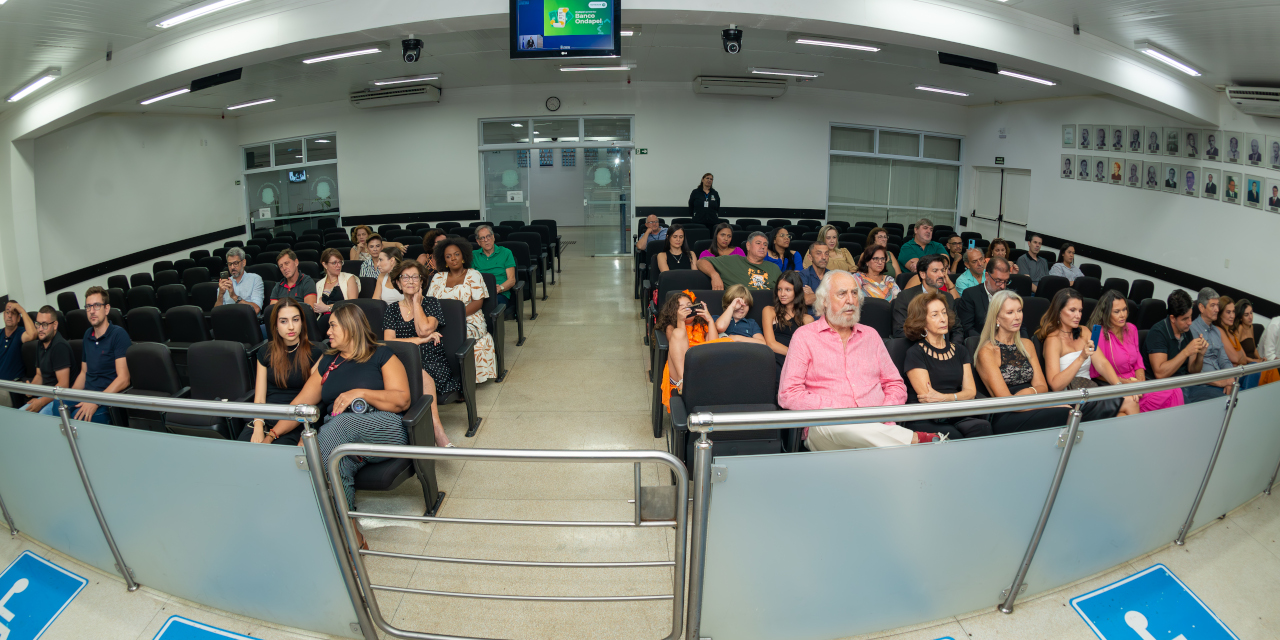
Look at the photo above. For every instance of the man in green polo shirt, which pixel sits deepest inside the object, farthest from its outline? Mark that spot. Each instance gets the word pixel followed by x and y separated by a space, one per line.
pixel 921 245
pixel 495 260
pixel 751 271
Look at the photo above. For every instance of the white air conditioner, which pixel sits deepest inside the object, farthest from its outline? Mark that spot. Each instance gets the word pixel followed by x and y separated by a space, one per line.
pixel 371 98
pixel 1256 101
pixel 763 87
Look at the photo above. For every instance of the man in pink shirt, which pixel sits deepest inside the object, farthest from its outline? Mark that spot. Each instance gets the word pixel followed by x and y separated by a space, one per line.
pixel 836 363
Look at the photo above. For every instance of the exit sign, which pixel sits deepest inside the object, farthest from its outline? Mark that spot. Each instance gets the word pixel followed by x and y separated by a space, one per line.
pixel 643 152
pixel 999 159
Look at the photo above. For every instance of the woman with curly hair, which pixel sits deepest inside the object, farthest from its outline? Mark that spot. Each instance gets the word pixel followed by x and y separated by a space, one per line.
pixel 687 324
pixel 456 280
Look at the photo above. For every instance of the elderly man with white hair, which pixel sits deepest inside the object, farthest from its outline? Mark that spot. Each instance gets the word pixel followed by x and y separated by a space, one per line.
pixel 836 363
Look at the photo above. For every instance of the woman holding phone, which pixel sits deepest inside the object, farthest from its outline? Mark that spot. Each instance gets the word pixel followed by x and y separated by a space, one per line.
pixel 1070 357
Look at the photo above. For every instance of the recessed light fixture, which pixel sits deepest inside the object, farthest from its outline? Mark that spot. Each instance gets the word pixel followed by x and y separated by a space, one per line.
pixel 167 94
pixel 626 33
pixel 342 54
pixel 1029 78
pixel 516 124
pixel 422 77
pixel 1165 57
pixel 822 42
pixel 251 103
pixel 764 71
pixel 194 11
pixel 617 67
pixel 320 141
pixel 950 92
pixel 45 77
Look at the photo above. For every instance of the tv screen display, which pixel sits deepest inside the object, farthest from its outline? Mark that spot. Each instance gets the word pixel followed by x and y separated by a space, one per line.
pixel 565 29
pixel 297 176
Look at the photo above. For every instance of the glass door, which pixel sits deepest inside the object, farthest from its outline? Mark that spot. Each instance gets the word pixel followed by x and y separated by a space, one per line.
pixel 506 185
pixel 607 194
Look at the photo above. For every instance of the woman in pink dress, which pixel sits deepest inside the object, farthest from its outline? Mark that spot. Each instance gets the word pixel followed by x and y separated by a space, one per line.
pixel 1120 347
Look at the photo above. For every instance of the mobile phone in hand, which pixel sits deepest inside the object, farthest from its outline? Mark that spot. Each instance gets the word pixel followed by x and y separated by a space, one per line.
pixel 1097 335
pixel 224 275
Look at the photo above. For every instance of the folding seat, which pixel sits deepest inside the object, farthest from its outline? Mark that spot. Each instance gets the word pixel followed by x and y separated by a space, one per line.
pixel 139 297
pixel 411 240
pixel 77 323
pixel 279 246
pixel 813 225
pixel 352 266
pixel 1021 284
pixel 460 351
pixel 326 223
pixel 233 243
pixel 495 312
pixel 1089 287
pixel 342 245
pixel 163 265
pixel 214 265
pixel 308 244
pixel 1050 285
pixel 1086 309
pixel 727 377
pixel 220 253
pixel 1150 312
pixel 1049 257
pixel 1033 309
pixel 1142 289
pixel 183 264
pixel 237 323
pixel 392 472
pixel 168 297
pixel 267 271
pixel 418 228
pixel 533 242
pixel 367 285
pixel 266 257
pixel 1116 284
pixel 116 298
pixel 1091 270
pixel 556 247
pixel 118 282
pixel 446 226
pixel 878 314
pixel 544 241
pixel 311 268
pixel 138 279
pixel 389 230
pixel 841 225
pixel 286 236
pixel 796 230
pixel 199 253
pixel 263 233
pixel 373 312
pixel 152 374
pixel 308 255
pixel 777 222
pixel 195 275
pixel 219 371
pixel 68 302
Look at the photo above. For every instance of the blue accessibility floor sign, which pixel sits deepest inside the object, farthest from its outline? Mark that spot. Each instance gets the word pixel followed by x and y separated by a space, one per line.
pixel 33 592
pixel 179 628
pixel 1150 605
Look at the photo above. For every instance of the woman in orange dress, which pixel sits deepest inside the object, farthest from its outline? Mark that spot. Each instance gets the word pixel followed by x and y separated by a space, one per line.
pixel 685 322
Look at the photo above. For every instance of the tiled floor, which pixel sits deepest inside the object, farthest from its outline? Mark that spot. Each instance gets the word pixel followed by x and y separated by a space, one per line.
pixel 579 383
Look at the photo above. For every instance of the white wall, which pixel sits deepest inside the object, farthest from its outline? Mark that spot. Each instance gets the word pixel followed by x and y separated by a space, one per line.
pixel 117 184
pixel 764 153
pixel 1194 235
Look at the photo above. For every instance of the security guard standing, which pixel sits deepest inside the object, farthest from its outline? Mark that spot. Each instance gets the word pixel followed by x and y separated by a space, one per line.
pixel 704 203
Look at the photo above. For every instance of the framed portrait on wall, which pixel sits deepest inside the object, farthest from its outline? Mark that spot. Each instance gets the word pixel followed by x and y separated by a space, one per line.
pixel 1191 143
pixel 1155 144
pixel 1115 170
pixel 1273 152
pixel 1210 183
pixel 1169 177
pixel 1100 140
pixel 1212 140
pixel 1172 141
pixel 1234 146
pixel 1254 143
pixel 1134 136
pixel 1272 195
pixel 1117 138
pixel 1086 137
pixel 1253 191
pixel 1232 184
pixel 1133 173
pixel 1084 168
pixel 1068 166
pixel 1151 173
pixel 1189 180
pixel 1068 136
pixel 1100 168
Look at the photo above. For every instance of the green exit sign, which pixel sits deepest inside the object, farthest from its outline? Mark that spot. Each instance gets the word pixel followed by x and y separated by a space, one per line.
pixel 643 152
pixel 999 159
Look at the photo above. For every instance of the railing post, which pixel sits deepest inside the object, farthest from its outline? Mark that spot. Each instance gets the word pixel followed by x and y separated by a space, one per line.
pixel 315 466
pixel 13 531
pixel 698 538
pixel 1213 460
pixel 70 432
pixel 1073 426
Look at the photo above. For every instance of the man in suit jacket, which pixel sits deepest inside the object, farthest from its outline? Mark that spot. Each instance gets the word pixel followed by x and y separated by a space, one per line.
pixel 1274 200
pixel 971 309
pixel 1210 187
pixel 932 270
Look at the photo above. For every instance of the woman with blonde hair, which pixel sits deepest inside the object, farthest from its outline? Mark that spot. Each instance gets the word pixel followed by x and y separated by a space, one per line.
pixel 841 259
pixel 1008 366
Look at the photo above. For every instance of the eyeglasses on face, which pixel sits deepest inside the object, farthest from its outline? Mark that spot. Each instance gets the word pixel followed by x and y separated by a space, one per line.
pixel 234 263
pixel 410 278
pixel 96 306
pixel 876 259
pixel 45 325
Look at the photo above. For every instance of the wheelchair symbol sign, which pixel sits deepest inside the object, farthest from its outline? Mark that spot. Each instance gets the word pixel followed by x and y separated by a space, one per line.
pixel 1150 605
pixel 179 628
pixel 33 592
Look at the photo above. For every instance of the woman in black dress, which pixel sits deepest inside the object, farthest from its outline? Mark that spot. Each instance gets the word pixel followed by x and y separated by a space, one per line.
pixel 704 202
pixel 787 313
pixel 937 369
pixel 1008 366
pixel 417 319
pixel 283 367
pixel 678 255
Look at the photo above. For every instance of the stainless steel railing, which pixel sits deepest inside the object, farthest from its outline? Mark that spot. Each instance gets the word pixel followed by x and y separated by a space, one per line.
pixel 705 423
pixel 677 521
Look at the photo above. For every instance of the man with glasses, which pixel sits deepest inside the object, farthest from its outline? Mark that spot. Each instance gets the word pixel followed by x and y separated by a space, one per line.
pixel 955 251
pixel 240 287
pixel 18 329
pixel 494 260
pixel 971 308
pixel 974 261
pixel 104 368
pixel 53 355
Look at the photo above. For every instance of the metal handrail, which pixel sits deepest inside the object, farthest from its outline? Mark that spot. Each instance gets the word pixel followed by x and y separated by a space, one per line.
pixel 299 412
pixel 704 422
pixel 346 521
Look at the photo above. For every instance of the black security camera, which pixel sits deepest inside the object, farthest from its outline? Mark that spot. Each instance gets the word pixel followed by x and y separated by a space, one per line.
pixel 732 39
pixel 412 49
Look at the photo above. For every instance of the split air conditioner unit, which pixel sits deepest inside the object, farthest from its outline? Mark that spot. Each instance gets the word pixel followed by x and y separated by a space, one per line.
pixel 762 87
pixel 1256 101
pixel 368 99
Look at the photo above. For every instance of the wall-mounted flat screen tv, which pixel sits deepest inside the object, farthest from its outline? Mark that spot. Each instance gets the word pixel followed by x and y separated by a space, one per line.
pixel 298 176
pixel 566 29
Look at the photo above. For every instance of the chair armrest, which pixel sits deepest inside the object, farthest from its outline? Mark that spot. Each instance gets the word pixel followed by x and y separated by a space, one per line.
pixel 499 310
pixel 467 359
pixel 679 413
pixel 417 413
pixel 253 351
pixel 184 392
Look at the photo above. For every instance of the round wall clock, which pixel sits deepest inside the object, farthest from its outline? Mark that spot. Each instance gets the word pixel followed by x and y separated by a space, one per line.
pixel 553 103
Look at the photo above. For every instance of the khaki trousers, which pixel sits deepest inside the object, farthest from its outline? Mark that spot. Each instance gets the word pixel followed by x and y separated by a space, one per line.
pixel 858 436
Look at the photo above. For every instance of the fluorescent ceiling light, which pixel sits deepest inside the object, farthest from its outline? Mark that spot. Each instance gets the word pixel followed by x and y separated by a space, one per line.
pixel 1165 57
pixel 619 67
pixel 837 44
pixel 921 87
pixel 403 79
pixel 626 33
pixel 196 11
pixel 319 140
pixel 516 124
pixel 168 94
pixel 250 103
pixel 1023 76
pixel 47 76
pixel 342 54
pixel 785 72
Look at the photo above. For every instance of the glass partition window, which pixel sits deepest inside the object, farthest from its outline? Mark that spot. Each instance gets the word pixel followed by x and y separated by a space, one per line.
pixel 291 178
pixel 505 132
pixel 288 152
pixel 863 184
pixel 555 130
pixel 322 148
pixel 258 157
pixel 606 129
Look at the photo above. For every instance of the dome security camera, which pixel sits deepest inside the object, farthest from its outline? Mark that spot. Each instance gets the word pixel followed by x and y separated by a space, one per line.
pixel 411 49
pixel 732 39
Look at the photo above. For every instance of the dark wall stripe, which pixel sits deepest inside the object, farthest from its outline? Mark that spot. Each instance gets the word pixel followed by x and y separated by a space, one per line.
pixel 1189 281
pixel 763 213
pixel 138 258
pixel 400 218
